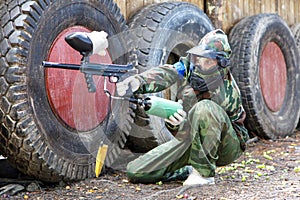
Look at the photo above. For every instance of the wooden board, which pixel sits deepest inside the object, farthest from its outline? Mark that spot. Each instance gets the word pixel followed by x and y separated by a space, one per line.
pixel 225 13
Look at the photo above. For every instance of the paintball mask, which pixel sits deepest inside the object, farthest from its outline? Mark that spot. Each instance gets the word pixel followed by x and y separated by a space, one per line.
pixel 209 59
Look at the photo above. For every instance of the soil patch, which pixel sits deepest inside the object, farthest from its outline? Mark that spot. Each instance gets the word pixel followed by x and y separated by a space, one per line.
pixel 269 169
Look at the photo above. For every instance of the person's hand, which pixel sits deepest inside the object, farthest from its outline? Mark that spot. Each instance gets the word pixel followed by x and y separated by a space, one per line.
pixel 100 42
pixel 128 86
pixel 177 118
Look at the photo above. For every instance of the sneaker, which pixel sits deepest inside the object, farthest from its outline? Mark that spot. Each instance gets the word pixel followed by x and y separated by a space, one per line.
pixel 196 179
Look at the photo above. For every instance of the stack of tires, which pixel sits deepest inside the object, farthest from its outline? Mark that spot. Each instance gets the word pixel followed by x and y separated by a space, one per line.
pixel 51 127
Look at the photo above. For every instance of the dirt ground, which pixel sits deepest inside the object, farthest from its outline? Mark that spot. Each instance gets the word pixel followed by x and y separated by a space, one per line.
pixel 267 170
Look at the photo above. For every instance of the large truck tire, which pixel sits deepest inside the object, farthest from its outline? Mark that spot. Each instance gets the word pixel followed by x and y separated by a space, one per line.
pixel 296 32
pixel 162 33
pixel 265 64
pixel 40 133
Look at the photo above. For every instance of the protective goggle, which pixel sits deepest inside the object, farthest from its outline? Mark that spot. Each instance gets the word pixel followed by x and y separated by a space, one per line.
pixel 208 63
pixel 204 65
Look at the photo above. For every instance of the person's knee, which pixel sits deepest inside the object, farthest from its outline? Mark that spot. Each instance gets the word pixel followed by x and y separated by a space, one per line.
pixel 205 106
pixel 140 176
pixel 131 174
pixel 130 170
pixel 203 109
pixel 134 175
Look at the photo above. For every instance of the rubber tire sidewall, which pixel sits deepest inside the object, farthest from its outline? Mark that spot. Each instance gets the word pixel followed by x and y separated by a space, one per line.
pixel 157 29
pixel 296 32
pixel 60 149
pixel 248 39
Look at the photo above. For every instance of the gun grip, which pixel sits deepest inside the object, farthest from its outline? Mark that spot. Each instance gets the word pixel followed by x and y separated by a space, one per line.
pixel 90 82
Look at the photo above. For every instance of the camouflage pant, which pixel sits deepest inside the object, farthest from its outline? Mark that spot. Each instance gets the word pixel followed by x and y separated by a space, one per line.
pixel 206 140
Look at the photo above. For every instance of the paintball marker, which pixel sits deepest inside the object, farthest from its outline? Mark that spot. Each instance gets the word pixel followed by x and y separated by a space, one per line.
pixel 83 44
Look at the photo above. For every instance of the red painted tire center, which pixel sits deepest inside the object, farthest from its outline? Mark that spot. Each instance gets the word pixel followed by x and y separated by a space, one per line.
pixel 67 90
pixel 273 76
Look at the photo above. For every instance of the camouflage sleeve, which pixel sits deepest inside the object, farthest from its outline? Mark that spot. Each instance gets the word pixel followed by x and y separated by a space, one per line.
pixel 157 79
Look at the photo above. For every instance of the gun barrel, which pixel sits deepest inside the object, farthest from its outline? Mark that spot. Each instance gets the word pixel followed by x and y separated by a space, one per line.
pixel 90 69
pixel 47 64
pixel 105 69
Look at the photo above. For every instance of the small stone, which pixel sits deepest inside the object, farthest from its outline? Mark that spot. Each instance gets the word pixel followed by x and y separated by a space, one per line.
pixel 32 187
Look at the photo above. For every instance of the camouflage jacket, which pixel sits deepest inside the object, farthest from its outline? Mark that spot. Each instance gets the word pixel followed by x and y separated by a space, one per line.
pixel 228 97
